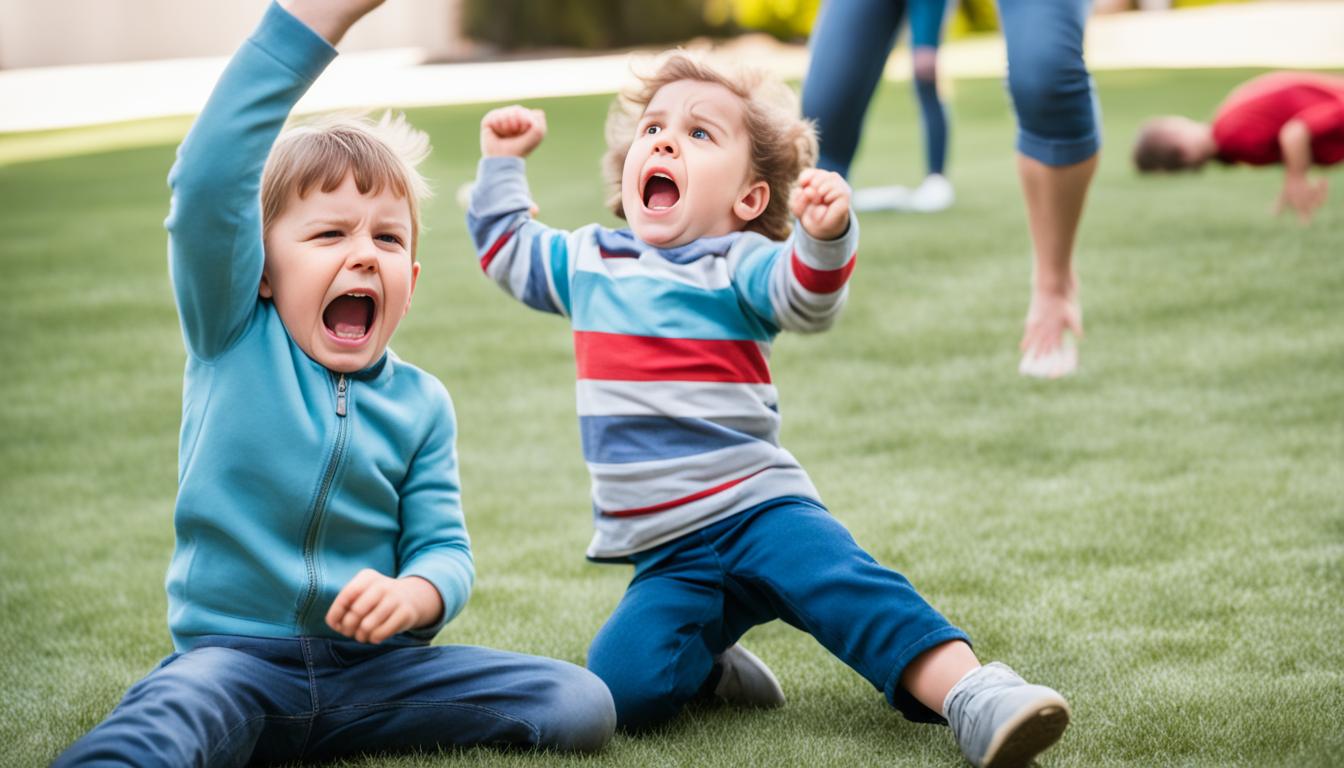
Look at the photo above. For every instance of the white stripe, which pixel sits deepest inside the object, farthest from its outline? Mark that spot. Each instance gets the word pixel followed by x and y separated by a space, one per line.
pixel 798 309
pixel 620 536
pixel 677 399
pixel 708 273
pixel 640 484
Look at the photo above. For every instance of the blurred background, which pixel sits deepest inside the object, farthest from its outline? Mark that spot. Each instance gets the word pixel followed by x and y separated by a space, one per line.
pixel 40 34
pixel 73 63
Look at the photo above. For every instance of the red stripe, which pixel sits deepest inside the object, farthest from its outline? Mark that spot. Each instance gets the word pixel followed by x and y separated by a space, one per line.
pixel 683 500
pixel 822 280
pixel 618 357
pixel 617 254
pixel 490 254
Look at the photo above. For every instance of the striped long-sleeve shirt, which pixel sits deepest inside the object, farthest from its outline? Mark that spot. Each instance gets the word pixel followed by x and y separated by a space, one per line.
pixel 678 416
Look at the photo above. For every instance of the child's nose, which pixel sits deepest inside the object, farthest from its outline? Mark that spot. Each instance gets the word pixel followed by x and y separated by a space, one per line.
pixel 665 146
pixel 365 258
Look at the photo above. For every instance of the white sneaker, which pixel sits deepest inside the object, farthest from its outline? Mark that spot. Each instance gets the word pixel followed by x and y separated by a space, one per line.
pixel 746 681
pixel 932 195
pixel 878 199
pixel 1000 720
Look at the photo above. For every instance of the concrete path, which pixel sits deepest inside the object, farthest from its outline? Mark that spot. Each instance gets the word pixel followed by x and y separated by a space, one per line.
pixel 1292 34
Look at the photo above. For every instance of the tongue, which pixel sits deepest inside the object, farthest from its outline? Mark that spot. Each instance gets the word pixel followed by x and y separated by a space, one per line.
pixel 348 316
pixel 661 193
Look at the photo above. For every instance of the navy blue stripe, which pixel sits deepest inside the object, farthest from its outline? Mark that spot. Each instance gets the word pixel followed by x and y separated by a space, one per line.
pixel 626 439
pixel 537 292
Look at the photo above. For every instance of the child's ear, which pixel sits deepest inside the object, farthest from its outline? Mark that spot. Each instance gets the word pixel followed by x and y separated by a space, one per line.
pixel 415 275
pixel 752 202
pixel 264 290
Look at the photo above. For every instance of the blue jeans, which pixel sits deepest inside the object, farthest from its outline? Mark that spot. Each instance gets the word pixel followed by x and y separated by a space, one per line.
pixel 788 559
pixel 850 43
pixel 1052 92
pixel 238 700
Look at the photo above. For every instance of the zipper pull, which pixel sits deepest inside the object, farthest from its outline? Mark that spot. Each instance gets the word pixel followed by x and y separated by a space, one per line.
pixel 340 396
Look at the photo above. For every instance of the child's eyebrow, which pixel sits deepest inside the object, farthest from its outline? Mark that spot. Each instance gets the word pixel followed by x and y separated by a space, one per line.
pixel 706 119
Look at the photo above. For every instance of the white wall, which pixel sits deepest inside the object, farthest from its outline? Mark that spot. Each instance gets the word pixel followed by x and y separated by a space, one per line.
pixel 40 33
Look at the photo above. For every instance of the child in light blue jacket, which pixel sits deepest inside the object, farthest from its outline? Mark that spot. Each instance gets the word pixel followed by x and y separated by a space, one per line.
pixel 320 535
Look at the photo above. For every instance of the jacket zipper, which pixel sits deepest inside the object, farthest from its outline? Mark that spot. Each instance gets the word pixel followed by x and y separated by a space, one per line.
pixel 320 502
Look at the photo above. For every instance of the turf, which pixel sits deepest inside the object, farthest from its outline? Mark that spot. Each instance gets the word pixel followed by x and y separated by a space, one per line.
pixel 1161 537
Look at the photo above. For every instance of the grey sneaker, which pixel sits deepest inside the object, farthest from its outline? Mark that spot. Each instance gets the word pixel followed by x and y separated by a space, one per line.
pixel 746 681
pixel 1002 721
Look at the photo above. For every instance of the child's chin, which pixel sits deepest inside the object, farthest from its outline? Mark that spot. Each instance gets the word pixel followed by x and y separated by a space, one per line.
pixel 661 236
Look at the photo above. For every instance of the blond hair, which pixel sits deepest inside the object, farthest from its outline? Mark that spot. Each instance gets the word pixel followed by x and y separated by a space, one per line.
pixel 320 153
pixel 782 142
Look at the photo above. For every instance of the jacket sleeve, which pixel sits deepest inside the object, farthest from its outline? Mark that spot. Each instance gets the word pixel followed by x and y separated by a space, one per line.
pixel 215 252
pixel 800 284
pixel 433 543
pixel 529 260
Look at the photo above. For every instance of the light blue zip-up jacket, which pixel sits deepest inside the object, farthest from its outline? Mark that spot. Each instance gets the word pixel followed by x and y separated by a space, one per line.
pixel 292 477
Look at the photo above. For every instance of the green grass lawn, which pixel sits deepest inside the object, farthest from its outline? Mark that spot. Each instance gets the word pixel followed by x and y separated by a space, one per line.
pixel 1160 537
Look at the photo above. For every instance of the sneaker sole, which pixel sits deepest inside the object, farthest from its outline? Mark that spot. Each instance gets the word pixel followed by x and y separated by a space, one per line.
pixel 1029 734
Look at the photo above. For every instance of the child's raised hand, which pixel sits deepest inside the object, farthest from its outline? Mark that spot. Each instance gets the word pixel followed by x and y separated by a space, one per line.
pixel 821 203
pixel 330 18
pixel 373 607
pixel 512 131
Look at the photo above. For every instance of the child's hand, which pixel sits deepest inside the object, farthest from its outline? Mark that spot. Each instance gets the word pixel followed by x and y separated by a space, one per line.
pixel 512 131
pixel 374 607
pixel 821 203
pixel 330 18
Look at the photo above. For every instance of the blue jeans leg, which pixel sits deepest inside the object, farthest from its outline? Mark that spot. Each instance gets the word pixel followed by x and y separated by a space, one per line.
pixel 237 700
pixel 422 697
pixel 850 43
pixel 1053 95
pixel 789 559
pixel 211 706
pixel 798 560
pixel 656 650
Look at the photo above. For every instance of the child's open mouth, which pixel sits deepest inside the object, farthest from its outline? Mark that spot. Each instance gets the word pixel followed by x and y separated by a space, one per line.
pixel 660 192
pixel 349 317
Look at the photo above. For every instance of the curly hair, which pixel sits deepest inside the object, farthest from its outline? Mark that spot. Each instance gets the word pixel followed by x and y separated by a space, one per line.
pixel 782 142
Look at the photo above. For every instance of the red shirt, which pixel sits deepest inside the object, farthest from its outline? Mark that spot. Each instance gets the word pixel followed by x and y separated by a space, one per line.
pixel 1246 128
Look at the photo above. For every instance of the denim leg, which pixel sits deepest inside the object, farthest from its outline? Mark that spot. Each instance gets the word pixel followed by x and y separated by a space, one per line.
pixel 816 577
pixel 850 43
pixel 926 32
pixel 1053 94
pixel 210 706
pixel 656 650
pixel 381 699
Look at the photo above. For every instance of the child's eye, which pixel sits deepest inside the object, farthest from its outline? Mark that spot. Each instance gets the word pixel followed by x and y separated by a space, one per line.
pixel 393 239
pixel 700 133
pixel 328 234
pixel 652 129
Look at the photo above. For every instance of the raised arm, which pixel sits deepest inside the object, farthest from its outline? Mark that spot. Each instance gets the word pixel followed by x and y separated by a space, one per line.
pixel 801 284
pixel 529 260
pixel 214 224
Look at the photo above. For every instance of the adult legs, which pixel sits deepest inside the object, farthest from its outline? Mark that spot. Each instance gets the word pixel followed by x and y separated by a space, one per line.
pixel 850 43
pixel 372 699
pixel 211 706
pixel 926 31
pixel 1058 140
